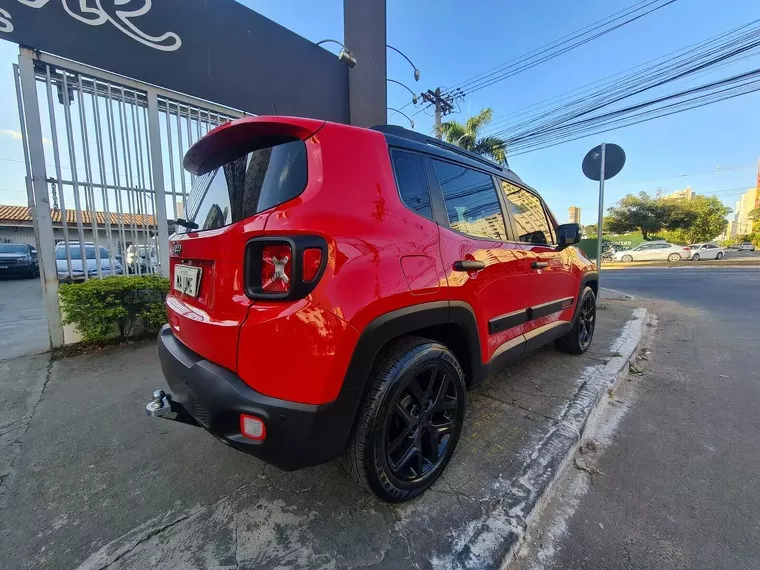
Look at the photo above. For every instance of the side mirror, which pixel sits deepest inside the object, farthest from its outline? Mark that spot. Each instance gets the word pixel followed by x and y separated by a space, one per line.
pixel 568 234
pixel 34 251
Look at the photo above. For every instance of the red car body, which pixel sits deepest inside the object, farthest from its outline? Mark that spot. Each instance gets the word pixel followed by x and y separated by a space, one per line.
pixel 300 362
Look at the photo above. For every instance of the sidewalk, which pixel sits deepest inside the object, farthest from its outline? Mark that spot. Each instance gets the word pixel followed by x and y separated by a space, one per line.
pixel 93 483
pixel 674 468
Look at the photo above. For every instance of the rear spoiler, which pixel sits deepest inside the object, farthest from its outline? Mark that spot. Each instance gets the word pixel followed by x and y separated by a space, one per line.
pixel 236 138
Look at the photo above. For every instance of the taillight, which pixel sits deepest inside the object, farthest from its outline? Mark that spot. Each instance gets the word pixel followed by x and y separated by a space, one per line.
pixel 283 267
pixel 312 262
pixel 686 249
pixel 276 268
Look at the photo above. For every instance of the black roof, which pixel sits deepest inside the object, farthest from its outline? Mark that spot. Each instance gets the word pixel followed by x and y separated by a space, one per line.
pixel 399 136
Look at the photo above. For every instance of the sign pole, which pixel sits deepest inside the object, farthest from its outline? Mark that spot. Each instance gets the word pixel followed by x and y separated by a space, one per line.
pixel 600 223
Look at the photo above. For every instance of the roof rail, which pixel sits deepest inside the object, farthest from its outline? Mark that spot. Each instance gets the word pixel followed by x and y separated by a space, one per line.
pixel 425 139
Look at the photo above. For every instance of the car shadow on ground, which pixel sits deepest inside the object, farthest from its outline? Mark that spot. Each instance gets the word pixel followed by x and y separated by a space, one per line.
pixel 98 484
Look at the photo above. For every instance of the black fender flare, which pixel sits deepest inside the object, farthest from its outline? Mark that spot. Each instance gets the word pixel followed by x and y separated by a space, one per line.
pixel 407 320
pixel 588 277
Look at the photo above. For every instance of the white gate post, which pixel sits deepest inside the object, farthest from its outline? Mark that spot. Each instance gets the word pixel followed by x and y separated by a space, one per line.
pixel 44 221
pixel 154 131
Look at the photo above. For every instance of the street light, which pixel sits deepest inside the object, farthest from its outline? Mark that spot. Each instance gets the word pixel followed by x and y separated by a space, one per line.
pixel 411 121
pixel 344 55
pixel 414 95
pixel 416 71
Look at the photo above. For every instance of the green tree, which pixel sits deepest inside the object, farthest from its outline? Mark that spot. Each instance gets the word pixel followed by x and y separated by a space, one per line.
pixel 754 215
pixel 467 135
pixel 645 214
pixel 706 217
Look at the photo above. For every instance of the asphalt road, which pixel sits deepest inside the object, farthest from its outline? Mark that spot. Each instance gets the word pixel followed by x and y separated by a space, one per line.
pixel 680 470
pixel 23 328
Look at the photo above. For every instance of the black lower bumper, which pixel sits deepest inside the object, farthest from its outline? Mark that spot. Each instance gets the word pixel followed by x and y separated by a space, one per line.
pixel 297 435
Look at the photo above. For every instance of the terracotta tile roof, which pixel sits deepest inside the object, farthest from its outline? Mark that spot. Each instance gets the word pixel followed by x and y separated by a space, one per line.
pixel 21 214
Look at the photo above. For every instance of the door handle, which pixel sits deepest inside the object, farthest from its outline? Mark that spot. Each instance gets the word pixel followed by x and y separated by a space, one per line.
pixel 469 265
pixel 539 265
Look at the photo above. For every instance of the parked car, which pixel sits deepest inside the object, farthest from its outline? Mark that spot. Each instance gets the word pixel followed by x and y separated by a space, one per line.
pixel 653 251
pixel 746 246
pixel 335 295
pixel 142 259
pixel 77 273
pixel 18 259
pixel 706 251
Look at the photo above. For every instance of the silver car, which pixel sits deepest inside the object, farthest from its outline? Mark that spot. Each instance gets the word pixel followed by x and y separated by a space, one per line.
pixel 77 273
pixel 653 251
pixel 706 251
pixel 746 246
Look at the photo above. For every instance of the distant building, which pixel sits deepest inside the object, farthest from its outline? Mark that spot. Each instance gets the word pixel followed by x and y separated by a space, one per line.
pixel 16 226
pixel 748 202
pixel 574 215
pixel 685 194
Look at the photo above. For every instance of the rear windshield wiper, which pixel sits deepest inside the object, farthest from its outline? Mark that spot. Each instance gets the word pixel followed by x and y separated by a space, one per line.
pixel 185 223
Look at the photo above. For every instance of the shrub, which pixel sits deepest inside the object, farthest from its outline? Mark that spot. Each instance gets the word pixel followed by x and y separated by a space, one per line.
pixel 115 306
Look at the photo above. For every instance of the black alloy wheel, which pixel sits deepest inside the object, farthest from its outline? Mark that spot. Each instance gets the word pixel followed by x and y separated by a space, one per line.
pixel 421 424
pixel 578 339
pixel 410 421
pixel 586 321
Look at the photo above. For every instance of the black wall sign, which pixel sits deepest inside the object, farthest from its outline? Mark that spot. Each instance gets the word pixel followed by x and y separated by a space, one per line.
pixel 217 50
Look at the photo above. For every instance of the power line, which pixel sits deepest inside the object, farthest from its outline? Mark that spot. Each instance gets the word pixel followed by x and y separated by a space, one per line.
pixel 712 171
pixel 519 67
pixel 712 54
pixel 488 75
pixel 618 119
pixel 602 86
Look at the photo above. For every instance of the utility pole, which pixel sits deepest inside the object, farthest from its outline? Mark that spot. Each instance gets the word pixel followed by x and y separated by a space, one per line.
pixel 443 106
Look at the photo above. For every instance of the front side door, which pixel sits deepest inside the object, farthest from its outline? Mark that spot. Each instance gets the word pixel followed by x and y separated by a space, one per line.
pixel 483 269
pixel 554 273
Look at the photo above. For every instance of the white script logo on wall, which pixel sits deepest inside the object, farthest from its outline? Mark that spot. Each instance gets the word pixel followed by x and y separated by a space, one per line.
pixel 6 26
pixel 119 13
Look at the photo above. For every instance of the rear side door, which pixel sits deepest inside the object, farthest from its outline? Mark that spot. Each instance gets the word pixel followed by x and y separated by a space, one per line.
pixel 554 273
pixel 484 270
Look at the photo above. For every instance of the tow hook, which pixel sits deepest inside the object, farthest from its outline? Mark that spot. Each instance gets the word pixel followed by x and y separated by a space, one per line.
pixel 163 406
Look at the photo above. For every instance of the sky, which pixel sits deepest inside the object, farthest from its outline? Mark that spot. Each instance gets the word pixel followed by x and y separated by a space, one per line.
pixel 453 41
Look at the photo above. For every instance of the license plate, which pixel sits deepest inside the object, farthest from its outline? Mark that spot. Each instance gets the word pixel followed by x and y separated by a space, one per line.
pixel 187 279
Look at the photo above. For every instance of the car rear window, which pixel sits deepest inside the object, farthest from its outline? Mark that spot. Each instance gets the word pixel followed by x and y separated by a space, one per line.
pixel 248 185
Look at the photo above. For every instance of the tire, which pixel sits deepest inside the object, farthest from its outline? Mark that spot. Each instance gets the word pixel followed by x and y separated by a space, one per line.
pixel 32 273
pixel 391 452
pixel 674 257
pixel 626 258
pixel 578 340
pixel 695 257
pixel 719 256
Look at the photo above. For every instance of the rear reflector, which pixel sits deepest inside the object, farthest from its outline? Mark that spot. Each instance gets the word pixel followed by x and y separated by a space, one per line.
pixel 252 427
pixel 312 260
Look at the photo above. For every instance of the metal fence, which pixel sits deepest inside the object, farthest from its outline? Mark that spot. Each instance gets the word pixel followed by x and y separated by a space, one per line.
pixel 104 169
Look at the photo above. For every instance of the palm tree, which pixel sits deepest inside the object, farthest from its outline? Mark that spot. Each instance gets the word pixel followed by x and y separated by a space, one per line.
pixel 466 136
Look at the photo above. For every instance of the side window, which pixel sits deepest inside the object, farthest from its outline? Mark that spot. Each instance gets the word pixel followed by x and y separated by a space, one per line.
pixel 412 184
pixel 529 215
pixel 472 204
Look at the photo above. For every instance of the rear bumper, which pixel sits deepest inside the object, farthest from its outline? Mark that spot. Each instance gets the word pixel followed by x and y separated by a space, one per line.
pixel 297 435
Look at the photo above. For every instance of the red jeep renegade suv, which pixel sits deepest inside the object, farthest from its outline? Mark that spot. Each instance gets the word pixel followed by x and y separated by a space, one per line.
pixel 338 289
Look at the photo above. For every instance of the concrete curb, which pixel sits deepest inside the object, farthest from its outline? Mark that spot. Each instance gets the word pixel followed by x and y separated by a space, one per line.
pixel 494 539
